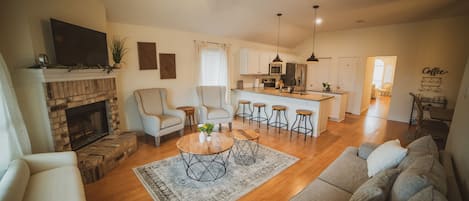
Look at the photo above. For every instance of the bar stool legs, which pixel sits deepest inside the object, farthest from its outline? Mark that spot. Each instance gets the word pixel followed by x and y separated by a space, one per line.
pixel 259 118
pixel 305 116
pixel 278 123
pixel 245 114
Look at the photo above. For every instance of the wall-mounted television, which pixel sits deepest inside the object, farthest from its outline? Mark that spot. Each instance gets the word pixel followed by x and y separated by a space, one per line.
pixel 75 45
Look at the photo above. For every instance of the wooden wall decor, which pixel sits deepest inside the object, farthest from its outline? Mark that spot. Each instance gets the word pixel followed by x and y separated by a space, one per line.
pixel 147 56
pixel 168 66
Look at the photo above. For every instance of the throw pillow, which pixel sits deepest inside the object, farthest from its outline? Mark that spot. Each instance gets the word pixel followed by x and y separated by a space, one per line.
pixel 365 149
pixel 377 188
pixel 418 148
pixel 387 155
pixel 428 194
pixel 423 172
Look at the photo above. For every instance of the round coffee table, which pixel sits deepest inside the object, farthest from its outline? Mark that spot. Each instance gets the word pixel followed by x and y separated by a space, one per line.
pixel 246 146
pixel 208 160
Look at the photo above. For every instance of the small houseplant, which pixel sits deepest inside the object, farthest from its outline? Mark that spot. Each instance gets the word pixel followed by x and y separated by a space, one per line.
pixel 326 86
pixel 207 129
pixel 118 50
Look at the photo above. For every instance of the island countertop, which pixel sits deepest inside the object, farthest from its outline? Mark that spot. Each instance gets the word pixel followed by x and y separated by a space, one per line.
pixel 276 92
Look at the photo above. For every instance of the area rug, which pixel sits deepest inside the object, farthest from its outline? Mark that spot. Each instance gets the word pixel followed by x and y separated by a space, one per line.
pixel 167 180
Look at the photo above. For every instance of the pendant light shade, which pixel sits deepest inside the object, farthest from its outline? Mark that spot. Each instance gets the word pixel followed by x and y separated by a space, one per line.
pixel 313 58
pixel 277 58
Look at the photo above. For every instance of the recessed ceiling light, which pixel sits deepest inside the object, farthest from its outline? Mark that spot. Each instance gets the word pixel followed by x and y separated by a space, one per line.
pixel 319 21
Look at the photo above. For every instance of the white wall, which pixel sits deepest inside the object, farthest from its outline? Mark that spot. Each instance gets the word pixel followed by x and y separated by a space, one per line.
pixel 458 138
pixel 181 91
pixel 26 34
pixel 442 43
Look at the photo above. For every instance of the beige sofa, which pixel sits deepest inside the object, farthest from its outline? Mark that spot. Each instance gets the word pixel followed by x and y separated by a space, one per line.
pixel 349 171
pixel 43 177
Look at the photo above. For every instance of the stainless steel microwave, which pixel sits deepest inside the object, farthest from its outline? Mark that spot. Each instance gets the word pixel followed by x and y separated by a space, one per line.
pixel 275 69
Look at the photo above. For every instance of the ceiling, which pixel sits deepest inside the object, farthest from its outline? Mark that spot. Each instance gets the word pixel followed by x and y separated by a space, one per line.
pixel 256 20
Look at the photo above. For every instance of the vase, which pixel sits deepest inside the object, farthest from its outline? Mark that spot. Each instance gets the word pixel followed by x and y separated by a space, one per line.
pixel 116 65
pixel 209 138
pixel 201 137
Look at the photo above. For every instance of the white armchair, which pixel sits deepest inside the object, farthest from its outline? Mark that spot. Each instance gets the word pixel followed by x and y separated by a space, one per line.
pixel 157 118
pixel 213 107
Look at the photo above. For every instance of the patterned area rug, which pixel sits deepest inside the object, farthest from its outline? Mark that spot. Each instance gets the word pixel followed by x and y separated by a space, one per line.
pixel 167 180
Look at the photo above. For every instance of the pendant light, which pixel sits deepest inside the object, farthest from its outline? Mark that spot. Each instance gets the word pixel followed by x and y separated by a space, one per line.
pixel 277 58
pixel 312 57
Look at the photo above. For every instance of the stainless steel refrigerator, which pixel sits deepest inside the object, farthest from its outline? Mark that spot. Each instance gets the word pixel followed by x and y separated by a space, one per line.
pixel 295 76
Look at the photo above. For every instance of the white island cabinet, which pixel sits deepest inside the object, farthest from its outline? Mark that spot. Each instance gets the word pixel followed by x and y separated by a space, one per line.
pixel 338 104
pixel 318 103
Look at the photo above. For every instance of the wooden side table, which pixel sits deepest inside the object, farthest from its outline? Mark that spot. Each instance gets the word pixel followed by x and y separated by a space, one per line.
pixel 190 113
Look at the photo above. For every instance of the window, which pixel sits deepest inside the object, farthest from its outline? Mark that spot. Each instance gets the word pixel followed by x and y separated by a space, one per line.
pixel 378 73
pixel 214 70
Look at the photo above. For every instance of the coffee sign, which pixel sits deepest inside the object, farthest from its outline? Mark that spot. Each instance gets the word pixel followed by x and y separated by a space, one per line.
pixel 434 71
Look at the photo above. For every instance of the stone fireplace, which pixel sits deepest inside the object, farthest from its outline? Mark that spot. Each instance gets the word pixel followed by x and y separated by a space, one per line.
pixel 76 110
pixel 87 123
pixel 81 111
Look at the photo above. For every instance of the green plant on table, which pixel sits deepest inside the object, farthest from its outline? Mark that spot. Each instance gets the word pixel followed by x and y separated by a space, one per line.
pixel 207 128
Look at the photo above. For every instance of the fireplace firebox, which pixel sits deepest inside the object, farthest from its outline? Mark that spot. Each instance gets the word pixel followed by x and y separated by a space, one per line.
pixel 86 124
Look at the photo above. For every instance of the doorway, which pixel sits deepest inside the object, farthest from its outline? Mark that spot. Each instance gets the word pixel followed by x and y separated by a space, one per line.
pixel 382 70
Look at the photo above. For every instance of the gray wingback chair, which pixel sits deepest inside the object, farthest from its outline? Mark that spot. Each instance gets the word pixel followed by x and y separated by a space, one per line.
pixel 213 107
pixel 157 118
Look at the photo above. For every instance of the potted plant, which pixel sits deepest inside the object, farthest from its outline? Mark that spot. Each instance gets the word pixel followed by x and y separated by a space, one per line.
pixel 206 129
pixel 326 86
pixel 118 50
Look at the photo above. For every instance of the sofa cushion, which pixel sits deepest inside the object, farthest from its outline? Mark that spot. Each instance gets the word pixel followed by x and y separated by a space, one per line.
pixel 387 155
pixel 347 172
pixel 58 184
pixel 365 149
pixel 428 194
pixel 453 193
pixel 217 113
pixel 377 188
pixel 168 121
pixel 319 190
pixel 15 180
pixel 423 172
pixel 418 148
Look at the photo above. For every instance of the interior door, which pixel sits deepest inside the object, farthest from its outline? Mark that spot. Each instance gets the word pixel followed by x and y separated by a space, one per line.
pixel 318 73
pixel 347 67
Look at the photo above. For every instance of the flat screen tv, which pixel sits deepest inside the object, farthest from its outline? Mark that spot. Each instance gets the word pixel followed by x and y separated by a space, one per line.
pixel 75 45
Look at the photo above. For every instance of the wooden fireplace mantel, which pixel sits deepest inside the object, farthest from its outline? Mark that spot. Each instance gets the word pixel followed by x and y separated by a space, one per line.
pixel 63 74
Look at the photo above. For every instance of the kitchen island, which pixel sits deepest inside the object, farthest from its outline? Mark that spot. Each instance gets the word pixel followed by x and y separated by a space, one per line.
pixel 320 104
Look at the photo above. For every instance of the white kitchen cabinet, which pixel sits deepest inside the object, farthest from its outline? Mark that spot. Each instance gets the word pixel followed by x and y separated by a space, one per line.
pixel 254 62
pixel 265 58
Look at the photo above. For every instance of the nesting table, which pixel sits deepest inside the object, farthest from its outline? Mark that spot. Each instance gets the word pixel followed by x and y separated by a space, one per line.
pixel 246 146
pixel 205 161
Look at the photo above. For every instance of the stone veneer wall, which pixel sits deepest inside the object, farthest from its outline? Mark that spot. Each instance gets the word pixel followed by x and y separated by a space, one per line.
pixel 68 94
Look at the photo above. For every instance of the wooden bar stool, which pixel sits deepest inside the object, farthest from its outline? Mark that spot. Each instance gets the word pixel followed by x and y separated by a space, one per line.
pixel 244 114
pixel 259 118
pixel 305 116
pixel 278 123
pixel 189 110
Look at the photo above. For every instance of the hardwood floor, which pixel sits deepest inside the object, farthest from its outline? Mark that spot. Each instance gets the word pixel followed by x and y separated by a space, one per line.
pixel 315 155
pixel 379 107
